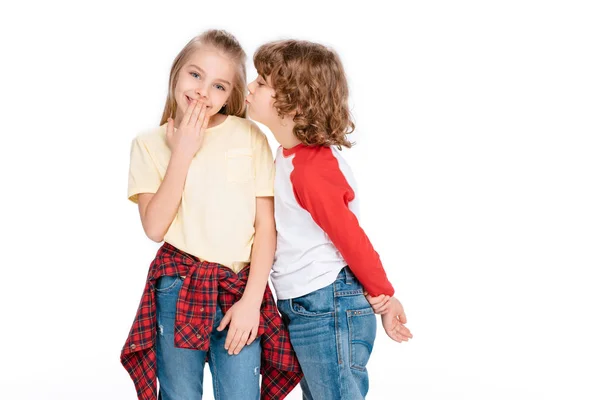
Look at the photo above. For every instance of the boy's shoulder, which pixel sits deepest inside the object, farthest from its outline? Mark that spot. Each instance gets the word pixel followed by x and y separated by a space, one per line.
pixel 313 157
pixel 314 162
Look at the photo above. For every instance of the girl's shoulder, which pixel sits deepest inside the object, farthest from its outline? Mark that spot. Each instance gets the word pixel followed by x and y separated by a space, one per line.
pixel 154 132
pixel 155 136
pixel 245 127
pixel 238 122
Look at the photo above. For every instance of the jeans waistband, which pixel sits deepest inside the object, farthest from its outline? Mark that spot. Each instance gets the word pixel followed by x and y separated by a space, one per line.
pixel 346 275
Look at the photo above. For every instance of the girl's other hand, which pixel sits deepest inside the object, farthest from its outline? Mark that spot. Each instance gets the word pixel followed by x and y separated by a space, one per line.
pixel 243 319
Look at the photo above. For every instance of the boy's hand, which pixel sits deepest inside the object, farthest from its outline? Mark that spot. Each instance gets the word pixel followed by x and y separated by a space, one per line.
pixel 393 322
pixel 380 304
pixel 243 329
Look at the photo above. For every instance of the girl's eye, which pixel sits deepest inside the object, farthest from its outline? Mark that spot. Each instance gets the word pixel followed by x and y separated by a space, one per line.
pixel 260 83
pixel 220 87
pixel 195 75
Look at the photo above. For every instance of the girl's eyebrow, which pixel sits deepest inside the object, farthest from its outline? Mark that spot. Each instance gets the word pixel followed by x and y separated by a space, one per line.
pixel 201 70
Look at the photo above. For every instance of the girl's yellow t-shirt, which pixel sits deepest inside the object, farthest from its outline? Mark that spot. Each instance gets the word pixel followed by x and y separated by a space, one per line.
pixel 215 220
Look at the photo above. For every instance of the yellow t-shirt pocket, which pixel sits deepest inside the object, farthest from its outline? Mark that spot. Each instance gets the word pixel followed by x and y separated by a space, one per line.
pixel 239 165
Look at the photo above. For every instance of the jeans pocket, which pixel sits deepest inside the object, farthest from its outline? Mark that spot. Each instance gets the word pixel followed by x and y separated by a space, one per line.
pixel 168 284
pixel 315 304
pixel 363 328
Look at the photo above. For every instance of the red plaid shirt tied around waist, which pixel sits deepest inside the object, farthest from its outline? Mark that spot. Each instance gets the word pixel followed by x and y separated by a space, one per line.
pixel 206 285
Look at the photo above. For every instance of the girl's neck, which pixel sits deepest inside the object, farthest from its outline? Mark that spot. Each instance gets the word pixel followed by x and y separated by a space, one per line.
pixel 216 120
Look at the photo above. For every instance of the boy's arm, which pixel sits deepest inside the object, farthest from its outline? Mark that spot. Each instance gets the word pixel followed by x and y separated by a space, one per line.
pixel 326 194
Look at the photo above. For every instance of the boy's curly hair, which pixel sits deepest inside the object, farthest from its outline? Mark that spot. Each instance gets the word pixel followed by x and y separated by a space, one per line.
pixel 310 83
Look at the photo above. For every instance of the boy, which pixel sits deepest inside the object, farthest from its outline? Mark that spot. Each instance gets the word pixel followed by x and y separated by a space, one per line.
pixel 324 262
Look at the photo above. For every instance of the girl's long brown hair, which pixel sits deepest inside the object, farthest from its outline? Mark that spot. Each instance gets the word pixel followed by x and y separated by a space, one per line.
pixel 227 43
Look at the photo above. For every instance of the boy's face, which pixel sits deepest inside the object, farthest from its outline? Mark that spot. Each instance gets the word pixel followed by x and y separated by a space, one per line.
pixel 260 102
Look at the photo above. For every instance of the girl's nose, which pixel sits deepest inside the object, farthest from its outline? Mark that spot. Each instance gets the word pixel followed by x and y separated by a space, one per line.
pixel 201 91
pixel 251 87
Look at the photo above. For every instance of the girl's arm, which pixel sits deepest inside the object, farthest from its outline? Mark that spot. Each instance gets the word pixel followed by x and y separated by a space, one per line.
pixel 245 314
pixel 263 251
pixel 157 210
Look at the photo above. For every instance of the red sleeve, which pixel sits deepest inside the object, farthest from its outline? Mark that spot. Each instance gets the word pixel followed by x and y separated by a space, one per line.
pixel 324 192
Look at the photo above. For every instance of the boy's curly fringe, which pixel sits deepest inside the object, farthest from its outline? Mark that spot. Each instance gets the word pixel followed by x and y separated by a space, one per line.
pixel 309 83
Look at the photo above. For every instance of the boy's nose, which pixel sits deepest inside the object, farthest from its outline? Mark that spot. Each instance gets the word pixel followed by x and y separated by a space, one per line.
pixel 251 87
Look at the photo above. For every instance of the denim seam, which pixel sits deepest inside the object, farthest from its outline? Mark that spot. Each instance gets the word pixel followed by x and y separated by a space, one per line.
pixel 214 375
pixel 343 293
pixel 338 344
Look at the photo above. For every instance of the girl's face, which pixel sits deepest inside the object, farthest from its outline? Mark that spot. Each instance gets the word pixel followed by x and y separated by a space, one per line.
pixel 208 77
pixel 260 102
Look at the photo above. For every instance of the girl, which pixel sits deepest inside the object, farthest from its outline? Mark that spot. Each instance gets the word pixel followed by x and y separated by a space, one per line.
pixel 203 183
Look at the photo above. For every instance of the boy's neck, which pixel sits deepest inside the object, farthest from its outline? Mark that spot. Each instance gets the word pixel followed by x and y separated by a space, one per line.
pixel 293 142
pixel 284 133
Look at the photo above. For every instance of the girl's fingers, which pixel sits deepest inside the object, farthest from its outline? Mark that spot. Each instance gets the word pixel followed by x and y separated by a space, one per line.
pixel 205 124
pixel 224 323
pixel 252 335
pixel 241 343
pixel 202 120
pixel 188 113
pixel 195 112
pixel 233 345
pixel 229 339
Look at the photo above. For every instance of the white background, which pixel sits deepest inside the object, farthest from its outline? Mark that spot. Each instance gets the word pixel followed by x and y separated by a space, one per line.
pixel 477 160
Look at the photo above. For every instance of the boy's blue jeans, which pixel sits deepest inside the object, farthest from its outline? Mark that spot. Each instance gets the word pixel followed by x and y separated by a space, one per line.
pixel 332 331
pixel 181 371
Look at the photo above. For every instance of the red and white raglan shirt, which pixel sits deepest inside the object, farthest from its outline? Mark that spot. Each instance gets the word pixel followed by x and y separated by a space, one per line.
pixel 318 232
